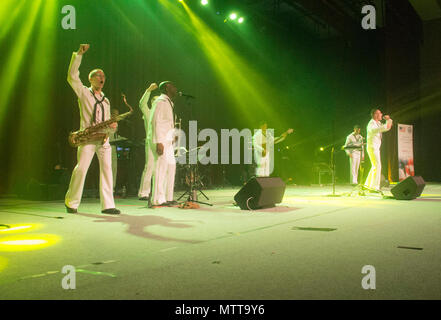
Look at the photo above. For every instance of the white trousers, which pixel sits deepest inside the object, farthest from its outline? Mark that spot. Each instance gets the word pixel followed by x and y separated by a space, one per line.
pixel 85 155
pixel 374 177
pixel 263 165
pixel 165 169
pixel 114 165
pixel 354 165
pixel 144 187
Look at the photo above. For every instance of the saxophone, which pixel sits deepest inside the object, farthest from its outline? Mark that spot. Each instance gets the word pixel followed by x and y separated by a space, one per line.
pixel 93 134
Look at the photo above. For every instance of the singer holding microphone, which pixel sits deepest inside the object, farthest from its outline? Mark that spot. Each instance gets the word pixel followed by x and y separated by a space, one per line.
pixel 375 128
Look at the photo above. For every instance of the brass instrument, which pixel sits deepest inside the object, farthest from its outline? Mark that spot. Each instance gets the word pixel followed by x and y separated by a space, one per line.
pixel 92 134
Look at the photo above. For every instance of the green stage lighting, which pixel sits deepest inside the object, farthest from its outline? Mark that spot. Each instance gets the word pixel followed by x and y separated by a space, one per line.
pixel 231 69
pixel 233 16
pixel 241 19
pixel 204 2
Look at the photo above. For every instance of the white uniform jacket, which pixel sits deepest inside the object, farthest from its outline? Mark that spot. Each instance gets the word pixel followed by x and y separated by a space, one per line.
pixel 86 101
pixel 353 140
pixel 162 123
pixel 374 133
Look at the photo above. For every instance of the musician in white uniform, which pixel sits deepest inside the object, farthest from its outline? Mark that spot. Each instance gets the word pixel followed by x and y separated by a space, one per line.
pixel 355 150
pixel 263 143
pixel 94 108
pixel 144 187
pixel 374 135
pixel 163 136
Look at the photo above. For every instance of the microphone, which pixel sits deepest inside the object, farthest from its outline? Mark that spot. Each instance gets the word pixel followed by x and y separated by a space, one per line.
pixel 186 95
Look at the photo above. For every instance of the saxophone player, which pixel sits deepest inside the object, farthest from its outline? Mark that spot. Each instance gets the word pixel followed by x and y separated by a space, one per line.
pixel 94 108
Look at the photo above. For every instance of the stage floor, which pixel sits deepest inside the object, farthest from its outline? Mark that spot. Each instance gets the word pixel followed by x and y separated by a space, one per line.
pixel 309 247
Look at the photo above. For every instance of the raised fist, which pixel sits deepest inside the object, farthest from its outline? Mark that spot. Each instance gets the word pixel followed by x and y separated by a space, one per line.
pixel 152 87
pixel 83 48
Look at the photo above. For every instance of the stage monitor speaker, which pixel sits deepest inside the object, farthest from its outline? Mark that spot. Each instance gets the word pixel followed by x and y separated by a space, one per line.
pixel 260 193
pixel 409 189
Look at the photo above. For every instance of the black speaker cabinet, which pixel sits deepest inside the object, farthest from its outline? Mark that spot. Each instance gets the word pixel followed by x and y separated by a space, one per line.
pixel 260 192
pixel 409 189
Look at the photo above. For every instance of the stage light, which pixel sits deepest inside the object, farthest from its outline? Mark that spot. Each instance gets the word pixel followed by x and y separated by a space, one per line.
pixel 321 148
pixel 231 69
pixel 241 19
pixel 37 21
pixel 14 228
pixel 27 242
pixel 233 16
pixel 34 242
pixel 204 2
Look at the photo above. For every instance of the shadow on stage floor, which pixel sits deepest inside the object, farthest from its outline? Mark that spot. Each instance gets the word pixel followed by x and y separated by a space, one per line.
pixel 310 246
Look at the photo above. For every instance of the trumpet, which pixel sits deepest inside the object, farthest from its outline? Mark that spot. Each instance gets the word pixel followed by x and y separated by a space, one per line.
pixel 93 134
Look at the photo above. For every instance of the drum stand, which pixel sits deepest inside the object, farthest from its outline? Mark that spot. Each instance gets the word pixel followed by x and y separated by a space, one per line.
pixel 193 190
pixel 361 189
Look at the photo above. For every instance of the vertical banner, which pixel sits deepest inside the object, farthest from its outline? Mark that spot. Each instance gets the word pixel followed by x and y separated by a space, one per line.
pixel 405 151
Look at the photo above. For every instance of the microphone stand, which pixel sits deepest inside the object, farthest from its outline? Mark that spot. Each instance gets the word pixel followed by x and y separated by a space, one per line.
pixel 333 173
pixel 193 190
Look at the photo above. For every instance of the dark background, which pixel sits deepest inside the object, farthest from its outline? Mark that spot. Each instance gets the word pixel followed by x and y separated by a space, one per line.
pixel 315 70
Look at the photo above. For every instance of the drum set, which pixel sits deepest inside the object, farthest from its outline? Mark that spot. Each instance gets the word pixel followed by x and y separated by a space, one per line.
pixel 191 178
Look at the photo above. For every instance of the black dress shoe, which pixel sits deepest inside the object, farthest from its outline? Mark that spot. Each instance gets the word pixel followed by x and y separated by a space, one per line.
pixel 111 211
pixel 70 210
pixel 144 198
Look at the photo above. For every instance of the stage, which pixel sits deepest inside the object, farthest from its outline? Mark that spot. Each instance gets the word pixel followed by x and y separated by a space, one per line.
pixel 311 246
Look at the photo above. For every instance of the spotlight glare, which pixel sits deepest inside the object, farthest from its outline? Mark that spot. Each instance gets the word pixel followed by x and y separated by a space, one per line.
pixel 240 20
pixel 233 16
pixel 15 228
pixel 321 149
pixel 23 242
pixel 204 2
pixel 27 242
